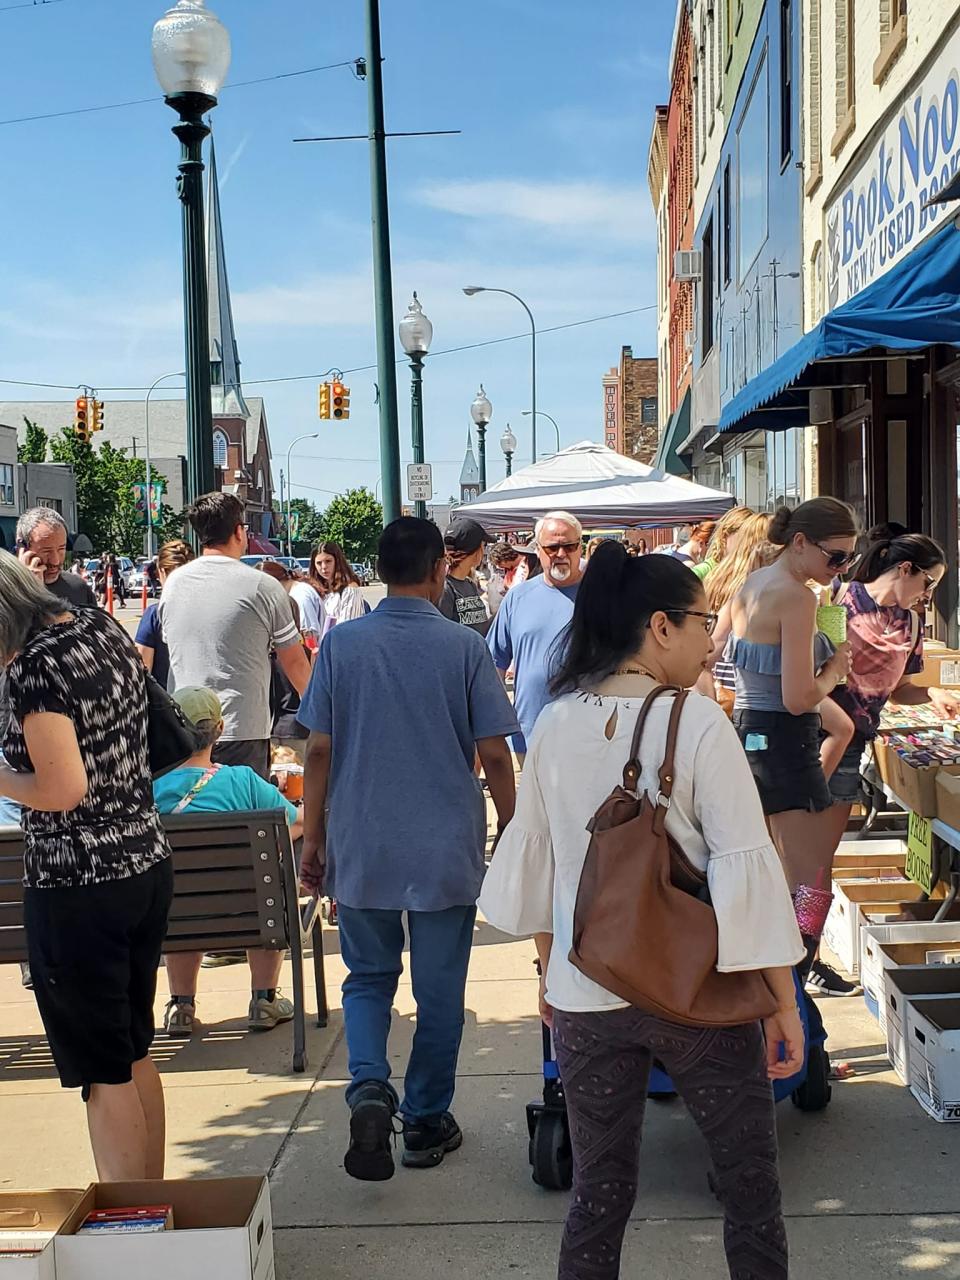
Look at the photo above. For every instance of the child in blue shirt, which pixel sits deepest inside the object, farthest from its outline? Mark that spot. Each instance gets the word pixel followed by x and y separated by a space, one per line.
pixel 200 786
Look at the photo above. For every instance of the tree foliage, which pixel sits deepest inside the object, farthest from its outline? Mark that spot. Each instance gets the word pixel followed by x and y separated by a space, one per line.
pixel 106 506
pixel 34 447
pixel 310 528
pixel 355 520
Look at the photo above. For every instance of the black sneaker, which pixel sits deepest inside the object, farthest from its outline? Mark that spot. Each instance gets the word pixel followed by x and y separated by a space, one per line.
pixel 426 1142
pixel 369 1157
pixel 824 981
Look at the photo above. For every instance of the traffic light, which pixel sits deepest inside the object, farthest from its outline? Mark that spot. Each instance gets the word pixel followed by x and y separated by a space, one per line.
pixel 341 401
pixel 81 420
pixel 96 415
pixel 324 399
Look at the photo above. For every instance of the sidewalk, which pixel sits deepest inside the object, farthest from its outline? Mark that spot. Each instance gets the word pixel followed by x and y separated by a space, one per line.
pixel 870 1184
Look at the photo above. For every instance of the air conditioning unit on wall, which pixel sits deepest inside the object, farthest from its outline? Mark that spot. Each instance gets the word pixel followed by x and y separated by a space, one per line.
pixel 686 265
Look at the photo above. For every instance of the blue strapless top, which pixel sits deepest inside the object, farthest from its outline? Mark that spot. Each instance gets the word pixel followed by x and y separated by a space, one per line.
pixel 758 669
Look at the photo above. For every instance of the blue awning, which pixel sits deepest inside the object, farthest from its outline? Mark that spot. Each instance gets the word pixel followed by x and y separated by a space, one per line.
pixel 674 433
pixel 915 305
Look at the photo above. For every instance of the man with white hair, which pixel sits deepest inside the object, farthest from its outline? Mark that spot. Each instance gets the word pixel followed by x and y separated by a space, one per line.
pixel 533 615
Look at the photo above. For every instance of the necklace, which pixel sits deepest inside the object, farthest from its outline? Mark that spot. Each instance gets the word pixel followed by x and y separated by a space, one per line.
pixel 635 671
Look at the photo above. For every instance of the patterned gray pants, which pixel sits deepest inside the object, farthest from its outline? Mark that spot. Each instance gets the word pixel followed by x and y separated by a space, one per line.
pixel 720 1073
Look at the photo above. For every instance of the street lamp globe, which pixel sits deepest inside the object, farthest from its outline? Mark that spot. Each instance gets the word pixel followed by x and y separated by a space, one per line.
pixel 471 289
pixel 508 441
pixel 191 50
pixel 481 411
pixel 416 331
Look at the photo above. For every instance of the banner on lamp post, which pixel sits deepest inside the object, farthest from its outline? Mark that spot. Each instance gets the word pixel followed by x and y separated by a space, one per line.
pixel 140 502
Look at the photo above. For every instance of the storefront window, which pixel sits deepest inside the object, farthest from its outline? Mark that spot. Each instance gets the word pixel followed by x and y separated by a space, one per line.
pixel 784 469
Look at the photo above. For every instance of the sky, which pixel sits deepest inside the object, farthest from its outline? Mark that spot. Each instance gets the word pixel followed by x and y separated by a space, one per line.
pixel 543 192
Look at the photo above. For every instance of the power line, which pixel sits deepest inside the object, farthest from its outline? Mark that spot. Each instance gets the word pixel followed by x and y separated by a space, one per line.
pixel 363 368
pixel 139 102
pixel 28 4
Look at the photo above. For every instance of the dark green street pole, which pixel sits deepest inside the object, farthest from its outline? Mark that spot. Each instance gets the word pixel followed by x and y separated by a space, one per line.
pixel 482 454
pixel 416 421
pixel 191 131
pixel 382 274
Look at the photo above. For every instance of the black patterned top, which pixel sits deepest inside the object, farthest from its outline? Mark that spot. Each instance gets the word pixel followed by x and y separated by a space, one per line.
pixel 88 669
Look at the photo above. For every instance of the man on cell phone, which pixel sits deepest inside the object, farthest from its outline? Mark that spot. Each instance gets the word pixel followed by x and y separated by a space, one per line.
pixel 42 547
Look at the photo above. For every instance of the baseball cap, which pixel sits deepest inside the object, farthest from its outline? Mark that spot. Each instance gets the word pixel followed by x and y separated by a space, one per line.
pixel 199 704
pixel 465 535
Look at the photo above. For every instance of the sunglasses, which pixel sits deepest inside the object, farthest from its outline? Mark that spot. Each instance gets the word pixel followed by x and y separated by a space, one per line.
pixel 929 584
pixel 838 559
pixel 556 547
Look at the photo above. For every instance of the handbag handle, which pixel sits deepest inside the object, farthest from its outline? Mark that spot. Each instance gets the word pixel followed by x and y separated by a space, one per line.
pixel 631 770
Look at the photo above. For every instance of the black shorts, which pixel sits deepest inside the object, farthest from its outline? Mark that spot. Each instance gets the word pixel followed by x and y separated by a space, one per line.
pixel 784 755
pixel 845 780
pixel 253 752
pixel 94 951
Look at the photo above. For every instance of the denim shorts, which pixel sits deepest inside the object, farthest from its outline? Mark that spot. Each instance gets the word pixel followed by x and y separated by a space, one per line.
pixel 784 755
pixel 845 782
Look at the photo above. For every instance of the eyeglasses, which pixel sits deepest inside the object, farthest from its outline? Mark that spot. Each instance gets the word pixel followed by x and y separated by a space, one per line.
pixel 556 547
pixel 838 559
pixel 929 584
pixel 710 620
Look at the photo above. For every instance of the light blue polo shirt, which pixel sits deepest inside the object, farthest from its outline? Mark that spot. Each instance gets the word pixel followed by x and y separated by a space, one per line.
pixel 524 635
pixel 405 695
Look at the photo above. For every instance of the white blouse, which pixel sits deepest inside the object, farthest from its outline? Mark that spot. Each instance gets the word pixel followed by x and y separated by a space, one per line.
pixel 345 605
pixel 715 817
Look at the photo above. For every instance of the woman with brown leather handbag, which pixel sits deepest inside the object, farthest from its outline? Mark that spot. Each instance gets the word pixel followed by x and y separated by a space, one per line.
pixel 640 861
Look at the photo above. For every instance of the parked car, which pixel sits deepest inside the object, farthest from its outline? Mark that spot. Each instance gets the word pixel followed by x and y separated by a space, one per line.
pixel 136 579
pixel 363 574
pixel 253 561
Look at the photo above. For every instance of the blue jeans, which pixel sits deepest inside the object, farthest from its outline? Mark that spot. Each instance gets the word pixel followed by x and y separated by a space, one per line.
pixel 371 943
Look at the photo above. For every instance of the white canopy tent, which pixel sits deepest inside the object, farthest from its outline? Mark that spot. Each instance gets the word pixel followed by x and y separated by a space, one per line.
pixel 603 489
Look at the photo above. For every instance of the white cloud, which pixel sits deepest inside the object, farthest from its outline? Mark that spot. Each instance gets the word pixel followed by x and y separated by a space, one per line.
pixel 575 209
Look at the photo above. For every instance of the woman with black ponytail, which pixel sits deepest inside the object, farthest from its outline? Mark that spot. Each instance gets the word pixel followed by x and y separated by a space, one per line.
pixel 639 623
pixel 885 604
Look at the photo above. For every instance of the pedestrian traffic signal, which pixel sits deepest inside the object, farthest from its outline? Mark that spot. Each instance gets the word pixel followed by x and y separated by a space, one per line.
pixel 96 415
pixel 324 399
pixel 81 420
pixel 341 401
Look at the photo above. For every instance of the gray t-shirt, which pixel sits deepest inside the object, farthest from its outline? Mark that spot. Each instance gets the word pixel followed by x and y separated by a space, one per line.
pixel 220 619
pixel 462 601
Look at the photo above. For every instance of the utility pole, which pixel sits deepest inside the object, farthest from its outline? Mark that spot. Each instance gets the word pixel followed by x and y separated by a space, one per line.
pixel 382 272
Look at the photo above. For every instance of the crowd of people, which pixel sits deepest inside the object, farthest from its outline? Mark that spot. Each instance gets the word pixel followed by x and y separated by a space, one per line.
pixel 764 759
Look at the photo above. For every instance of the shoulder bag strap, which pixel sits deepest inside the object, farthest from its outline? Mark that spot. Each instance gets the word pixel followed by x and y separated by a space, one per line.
pixel 631 770
pixel 195 790
pixel 667 774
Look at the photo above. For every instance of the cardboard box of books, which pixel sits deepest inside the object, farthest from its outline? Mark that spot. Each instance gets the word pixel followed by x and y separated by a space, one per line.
pixel 885 946
pixel 913 982
pixel 933 1058
pixel 29 1221
pixel 195 1229
pixel 841 933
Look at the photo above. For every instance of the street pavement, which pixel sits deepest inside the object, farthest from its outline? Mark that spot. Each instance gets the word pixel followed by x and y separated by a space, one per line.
pixel 870 1184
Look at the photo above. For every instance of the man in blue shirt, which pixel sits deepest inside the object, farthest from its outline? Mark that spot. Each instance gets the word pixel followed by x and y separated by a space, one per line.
pixel 533 615
pixel 398 707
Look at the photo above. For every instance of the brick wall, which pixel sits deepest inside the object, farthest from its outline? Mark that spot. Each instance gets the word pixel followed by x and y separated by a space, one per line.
pixel 638 381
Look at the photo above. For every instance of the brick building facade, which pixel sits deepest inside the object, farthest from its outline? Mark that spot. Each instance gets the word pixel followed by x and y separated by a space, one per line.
pixel 630 403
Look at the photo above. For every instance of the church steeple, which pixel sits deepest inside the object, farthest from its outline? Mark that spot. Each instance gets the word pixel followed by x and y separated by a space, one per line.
pixel 225 390
pixel 470 474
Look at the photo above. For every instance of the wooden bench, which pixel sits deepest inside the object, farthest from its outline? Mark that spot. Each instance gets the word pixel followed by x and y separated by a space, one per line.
pixel 235 887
